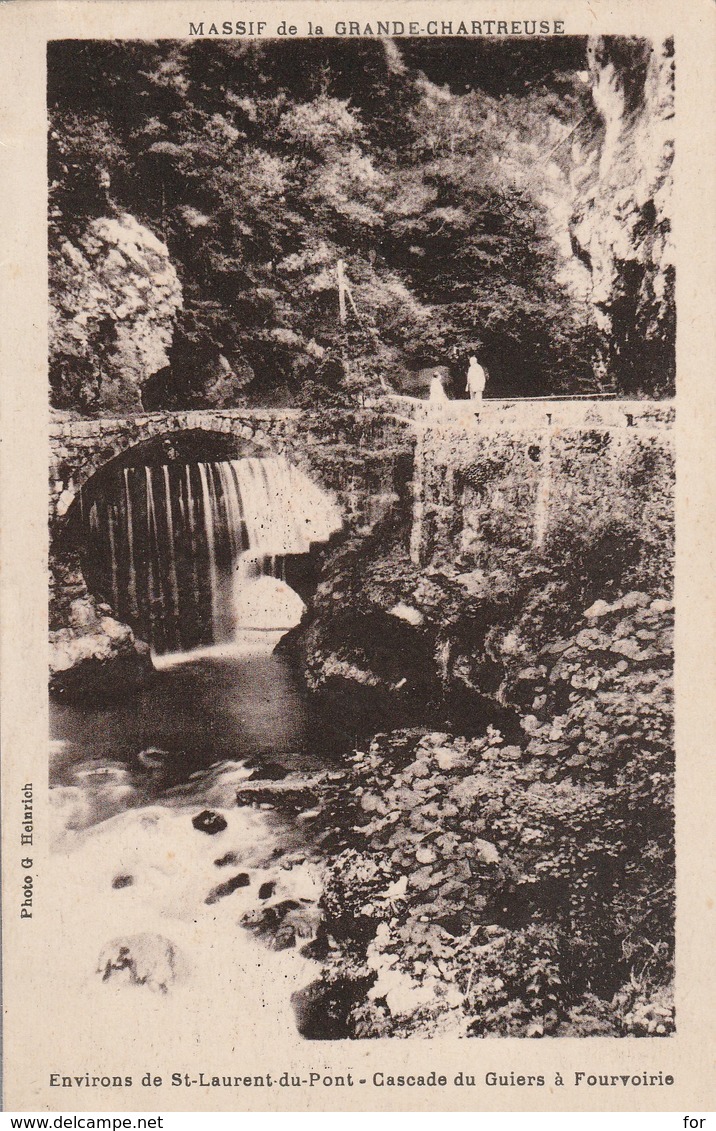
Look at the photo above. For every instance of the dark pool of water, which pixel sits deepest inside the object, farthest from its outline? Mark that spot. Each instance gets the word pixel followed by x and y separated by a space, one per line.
pixel 251 710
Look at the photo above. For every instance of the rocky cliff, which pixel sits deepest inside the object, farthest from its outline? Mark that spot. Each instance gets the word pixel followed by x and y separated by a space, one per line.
pixel 93 656
pixel 115 295
pixel 512 533
pixel 621 224
pixel 498 850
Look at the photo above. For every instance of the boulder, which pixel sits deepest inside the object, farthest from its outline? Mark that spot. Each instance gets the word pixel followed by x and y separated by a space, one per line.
pixel 323 1008
pixel 280 924
pixel 295 792
pixel 122 881
pixel 209 822
pixel 143 960
pixel 241 880
pixel 95 656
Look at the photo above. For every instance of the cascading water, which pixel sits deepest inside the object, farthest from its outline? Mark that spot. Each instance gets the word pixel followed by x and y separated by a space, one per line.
pixel 191 554
pixel 194 556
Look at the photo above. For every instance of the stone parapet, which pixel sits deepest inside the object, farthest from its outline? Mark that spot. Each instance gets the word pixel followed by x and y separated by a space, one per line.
pixel 538 413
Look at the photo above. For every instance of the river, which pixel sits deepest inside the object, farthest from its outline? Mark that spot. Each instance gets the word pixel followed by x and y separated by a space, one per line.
pixel 160 884
pixel 147 873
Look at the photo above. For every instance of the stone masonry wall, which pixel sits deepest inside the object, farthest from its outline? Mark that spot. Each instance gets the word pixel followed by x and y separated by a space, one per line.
pixel 503 487
pixel 358 456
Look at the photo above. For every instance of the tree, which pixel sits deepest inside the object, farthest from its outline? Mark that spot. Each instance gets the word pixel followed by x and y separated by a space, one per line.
pixel 262 165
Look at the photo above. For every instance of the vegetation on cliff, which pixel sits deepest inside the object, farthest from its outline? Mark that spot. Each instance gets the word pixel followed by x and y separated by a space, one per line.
pixel 441 177
pixel 510 879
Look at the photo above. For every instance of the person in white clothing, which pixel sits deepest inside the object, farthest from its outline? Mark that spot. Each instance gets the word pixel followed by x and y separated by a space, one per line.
pixel 437 390
pixel 476 380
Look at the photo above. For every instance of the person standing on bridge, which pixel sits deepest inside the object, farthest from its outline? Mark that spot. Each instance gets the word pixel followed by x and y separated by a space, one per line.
pixel 437 395
pixel 476 380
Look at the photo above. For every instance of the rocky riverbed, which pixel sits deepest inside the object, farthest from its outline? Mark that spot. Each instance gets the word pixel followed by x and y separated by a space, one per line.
pixel 488 849
pixel 203 908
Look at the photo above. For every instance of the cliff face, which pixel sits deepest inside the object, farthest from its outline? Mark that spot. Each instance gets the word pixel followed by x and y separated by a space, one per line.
pixel 621 223
pixel 115 295
pixel 513 533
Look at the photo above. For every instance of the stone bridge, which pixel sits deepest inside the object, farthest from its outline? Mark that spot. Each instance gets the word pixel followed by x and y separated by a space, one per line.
pixel 472 485
pixel 364 458
pixel 460 469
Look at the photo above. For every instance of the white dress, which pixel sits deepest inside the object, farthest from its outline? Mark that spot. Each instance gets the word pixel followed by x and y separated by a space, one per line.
pixel 437 392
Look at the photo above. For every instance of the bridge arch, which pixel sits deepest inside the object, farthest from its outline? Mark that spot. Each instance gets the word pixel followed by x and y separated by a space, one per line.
pixel 79 449
pixel 363 460
pixel 163 531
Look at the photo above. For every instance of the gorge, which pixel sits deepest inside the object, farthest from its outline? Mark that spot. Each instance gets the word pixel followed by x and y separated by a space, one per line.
pixel 436 610
pixel 362 697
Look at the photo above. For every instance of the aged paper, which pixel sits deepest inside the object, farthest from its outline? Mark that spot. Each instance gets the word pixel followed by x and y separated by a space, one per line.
pixel 127 985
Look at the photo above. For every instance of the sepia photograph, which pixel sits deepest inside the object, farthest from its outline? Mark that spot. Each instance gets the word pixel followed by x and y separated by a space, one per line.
pixel 361 539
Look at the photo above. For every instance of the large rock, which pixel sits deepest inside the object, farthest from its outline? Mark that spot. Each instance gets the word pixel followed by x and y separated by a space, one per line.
pixel 295 792
pixel 366 668
pixel 142 960
pixel 95 656
pixel 323 1008
pixel 115 295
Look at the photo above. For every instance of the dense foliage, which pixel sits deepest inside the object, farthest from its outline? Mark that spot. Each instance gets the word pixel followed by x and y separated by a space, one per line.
pixel 263 165
pixel 500 855
pixel 482 886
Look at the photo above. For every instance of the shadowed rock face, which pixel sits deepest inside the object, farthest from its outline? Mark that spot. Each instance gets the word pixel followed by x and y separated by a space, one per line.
pixel 621 225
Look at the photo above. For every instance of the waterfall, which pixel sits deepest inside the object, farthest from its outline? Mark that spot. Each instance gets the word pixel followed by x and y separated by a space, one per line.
pixel 192 554
pixel 129 525
pixel 210 517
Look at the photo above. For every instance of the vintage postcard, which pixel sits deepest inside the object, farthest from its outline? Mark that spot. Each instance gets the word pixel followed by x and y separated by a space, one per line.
pixel 357 442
